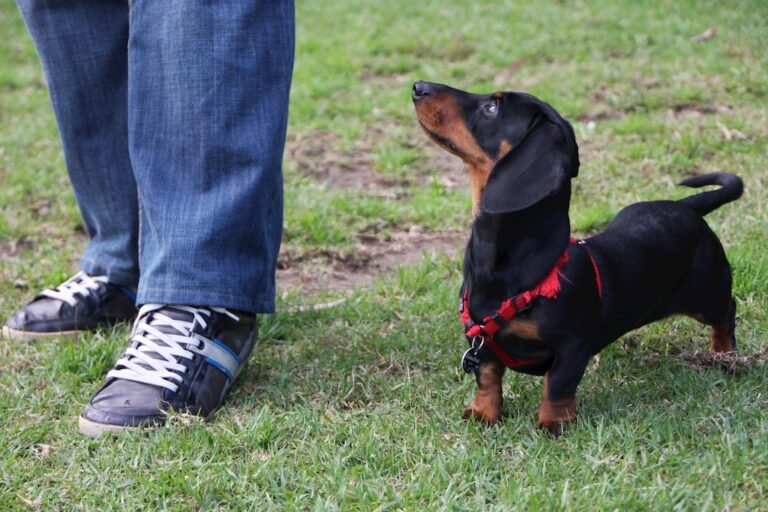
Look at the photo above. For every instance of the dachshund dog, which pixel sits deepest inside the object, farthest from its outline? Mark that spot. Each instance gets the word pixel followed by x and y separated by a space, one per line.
pixel 537 301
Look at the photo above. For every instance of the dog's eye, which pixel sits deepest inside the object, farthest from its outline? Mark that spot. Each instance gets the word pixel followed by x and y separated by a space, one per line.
pixel 492 107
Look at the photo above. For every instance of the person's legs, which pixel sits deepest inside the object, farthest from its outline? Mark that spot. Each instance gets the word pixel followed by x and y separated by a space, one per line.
pixel 208 104
pixel 82 46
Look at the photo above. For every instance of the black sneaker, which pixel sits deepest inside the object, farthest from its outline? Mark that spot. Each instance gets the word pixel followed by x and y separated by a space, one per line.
pixel 82 303
pixel 180 358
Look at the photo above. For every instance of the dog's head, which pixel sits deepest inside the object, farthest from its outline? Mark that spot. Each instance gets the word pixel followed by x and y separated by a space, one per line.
pixel 518 149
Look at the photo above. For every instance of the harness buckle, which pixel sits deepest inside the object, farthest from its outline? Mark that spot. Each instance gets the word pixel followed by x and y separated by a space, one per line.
pixel 470 362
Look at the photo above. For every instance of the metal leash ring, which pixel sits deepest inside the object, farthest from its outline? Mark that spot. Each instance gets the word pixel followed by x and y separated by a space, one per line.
pixel 469 361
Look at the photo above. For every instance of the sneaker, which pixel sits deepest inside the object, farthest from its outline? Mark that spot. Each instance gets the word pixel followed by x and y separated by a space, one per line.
pixel 180 359
pixel 82 303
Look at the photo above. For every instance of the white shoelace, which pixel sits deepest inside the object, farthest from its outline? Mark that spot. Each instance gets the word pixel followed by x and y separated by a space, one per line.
pixel 152 356
pixel 80 284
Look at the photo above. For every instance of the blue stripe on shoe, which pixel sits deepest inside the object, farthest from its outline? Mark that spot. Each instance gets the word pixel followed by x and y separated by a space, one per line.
pixel 221 344
pixel 221 367
pixel 130 293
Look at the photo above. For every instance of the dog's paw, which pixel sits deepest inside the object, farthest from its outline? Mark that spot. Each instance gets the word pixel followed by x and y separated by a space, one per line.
pixel 488 416
pixel 553 427
pixel 554 415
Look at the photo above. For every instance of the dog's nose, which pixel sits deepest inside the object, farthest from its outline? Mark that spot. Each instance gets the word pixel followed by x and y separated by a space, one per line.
pixel 421 89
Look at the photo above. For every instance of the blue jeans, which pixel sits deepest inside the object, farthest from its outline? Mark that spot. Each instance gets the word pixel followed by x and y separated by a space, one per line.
pixel 173 120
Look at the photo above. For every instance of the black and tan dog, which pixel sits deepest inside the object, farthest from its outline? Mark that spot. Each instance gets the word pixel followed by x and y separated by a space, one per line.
pixel 539 302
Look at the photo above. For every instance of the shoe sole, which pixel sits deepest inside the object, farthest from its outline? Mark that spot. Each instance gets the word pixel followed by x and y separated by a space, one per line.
pixel 95 429
pixel 15 335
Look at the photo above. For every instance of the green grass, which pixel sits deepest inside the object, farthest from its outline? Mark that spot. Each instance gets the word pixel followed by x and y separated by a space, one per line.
pixel 357 407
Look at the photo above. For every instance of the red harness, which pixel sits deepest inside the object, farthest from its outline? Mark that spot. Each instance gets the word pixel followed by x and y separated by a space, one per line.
pixel 481 334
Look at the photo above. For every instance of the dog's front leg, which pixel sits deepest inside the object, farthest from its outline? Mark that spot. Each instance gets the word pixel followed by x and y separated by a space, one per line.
pixel 558 403
pixel 487 403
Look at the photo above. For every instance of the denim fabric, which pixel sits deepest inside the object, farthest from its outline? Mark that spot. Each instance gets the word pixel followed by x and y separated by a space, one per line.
pixel 82 46
pixel 184 107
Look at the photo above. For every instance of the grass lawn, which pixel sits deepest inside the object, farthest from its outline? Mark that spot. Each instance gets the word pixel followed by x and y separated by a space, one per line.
pixel 357 407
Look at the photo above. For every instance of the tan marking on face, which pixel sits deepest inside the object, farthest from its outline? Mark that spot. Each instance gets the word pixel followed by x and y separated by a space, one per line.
pixel 478 176
pixel 488 402
pixel 504 148
pixel 441 115
pixel 523 329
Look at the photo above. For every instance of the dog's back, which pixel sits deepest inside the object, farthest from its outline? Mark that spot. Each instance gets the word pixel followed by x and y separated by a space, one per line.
pixel 657 259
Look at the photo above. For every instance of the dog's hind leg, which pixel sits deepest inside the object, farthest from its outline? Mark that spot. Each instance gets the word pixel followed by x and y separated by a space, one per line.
pixel 706 294
pixel 487 404
pixel 723 335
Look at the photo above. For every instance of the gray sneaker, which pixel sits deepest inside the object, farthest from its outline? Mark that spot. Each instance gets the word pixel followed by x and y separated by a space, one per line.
pixel 180 358
pixel 81 303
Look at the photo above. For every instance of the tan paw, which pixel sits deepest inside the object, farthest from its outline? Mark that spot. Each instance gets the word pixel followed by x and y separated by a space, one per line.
pixel 555 414
pixel 555 427
pixel 488 415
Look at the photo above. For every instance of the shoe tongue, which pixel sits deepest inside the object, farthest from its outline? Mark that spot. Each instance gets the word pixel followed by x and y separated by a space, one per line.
pixel 185 316
pixel 171 312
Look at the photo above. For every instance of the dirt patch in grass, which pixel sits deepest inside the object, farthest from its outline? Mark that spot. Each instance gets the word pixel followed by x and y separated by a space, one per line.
pixel 681 110
pixel 10 248
pixel 694 107
pixel 316 154
pixel 704 361
pixel 728 362
pixel 379 250
pixel 605 114
pixel 371 258
pixel 605 105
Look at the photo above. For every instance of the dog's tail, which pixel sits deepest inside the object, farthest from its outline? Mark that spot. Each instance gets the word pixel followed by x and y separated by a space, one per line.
pixel 730 189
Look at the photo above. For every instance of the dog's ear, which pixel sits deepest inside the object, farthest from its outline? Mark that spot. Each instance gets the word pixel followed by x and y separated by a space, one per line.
pixel 537 167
